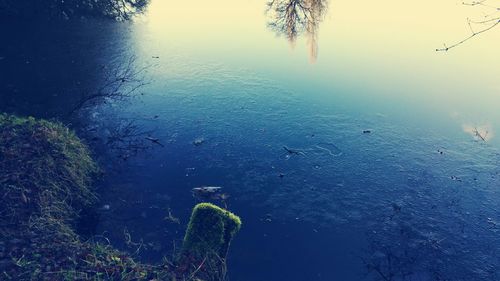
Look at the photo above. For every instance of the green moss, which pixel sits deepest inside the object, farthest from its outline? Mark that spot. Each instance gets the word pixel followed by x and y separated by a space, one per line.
pixel 208 236
pixel 210 230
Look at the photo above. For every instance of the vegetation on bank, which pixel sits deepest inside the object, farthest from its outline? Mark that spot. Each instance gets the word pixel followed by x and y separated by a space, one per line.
pixel 44 185
pixel 118 9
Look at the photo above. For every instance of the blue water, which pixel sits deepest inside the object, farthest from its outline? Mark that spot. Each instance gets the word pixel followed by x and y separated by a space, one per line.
pixel 405 190
pixel 389 184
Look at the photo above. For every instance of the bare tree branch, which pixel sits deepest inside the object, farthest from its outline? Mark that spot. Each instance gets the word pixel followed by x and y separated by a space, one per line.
pixel 491 21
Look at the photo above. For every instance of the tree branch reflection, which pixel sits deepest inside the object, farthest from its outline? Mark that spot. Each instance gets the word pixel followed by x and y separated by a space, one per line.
pixel 118 9
pixel 292 18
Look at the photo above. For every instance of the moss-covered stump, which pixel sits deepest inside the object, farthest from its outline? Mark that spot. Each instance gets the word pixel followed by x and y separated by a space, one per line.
pixel 45 181
pixel 207 241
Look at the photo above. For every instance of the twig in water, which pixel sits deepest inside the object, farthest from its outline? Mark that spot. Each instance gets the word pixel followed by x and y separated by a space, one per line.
pixel 155 140
pixel 293 151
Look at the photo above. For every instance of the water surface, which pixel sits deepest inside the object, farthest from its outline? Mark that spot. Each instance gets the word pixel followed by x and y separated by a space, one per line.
pixel 392 181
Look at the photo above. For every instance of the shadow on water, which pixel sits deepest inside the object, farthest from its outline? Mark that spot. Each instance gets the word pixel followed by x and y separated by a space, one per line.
pixel 292 18
pixel 48 66
pixel 57 57
pixel 74 71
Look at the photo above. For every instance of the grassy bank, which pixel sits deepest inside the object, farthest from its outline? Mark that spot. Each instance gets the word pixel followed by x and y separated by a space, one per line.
pixel 45 182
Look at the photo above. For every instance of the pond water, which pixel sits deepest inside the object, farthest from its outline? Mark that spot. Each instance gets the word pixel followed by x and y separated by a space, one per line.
pixel 395 174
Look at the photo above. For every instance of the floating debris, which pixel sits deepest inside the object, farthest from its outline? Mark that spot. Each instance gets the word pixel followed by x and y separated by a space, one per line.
pixel 396 207
pixel 292 151
pixel 220 196
pixel 367 131
pixel 493 224
pixel 105 207
pixel 330 148
pixel 189 171
pixel 206 189
pixel 199 141
pixel 155 140
pixel 24 198
pixel 267 218
pixel 171 218
pixel 209 192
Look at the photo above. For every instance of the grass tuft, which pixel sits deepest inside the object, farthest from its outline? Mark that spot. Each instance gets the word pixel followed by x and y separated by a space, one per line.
pixel 45 182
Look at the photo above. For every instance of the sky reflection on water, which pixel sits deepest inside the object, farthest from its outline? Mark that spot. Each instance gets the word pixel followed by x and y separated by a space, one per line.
pixel 382 53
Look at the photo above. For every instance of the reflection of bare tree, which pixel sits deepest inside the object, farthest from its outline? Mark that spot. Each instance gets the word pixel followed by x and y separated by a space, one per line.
pixel 70 71
pixel 127 139
pixel 404 258
pixel 293 17
pixel 400 248
pixel 118 9
pixel 115 136
pixel 124 9
pixel 490 20
pixel 482 132
pixel 119 83
pixel 431 240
